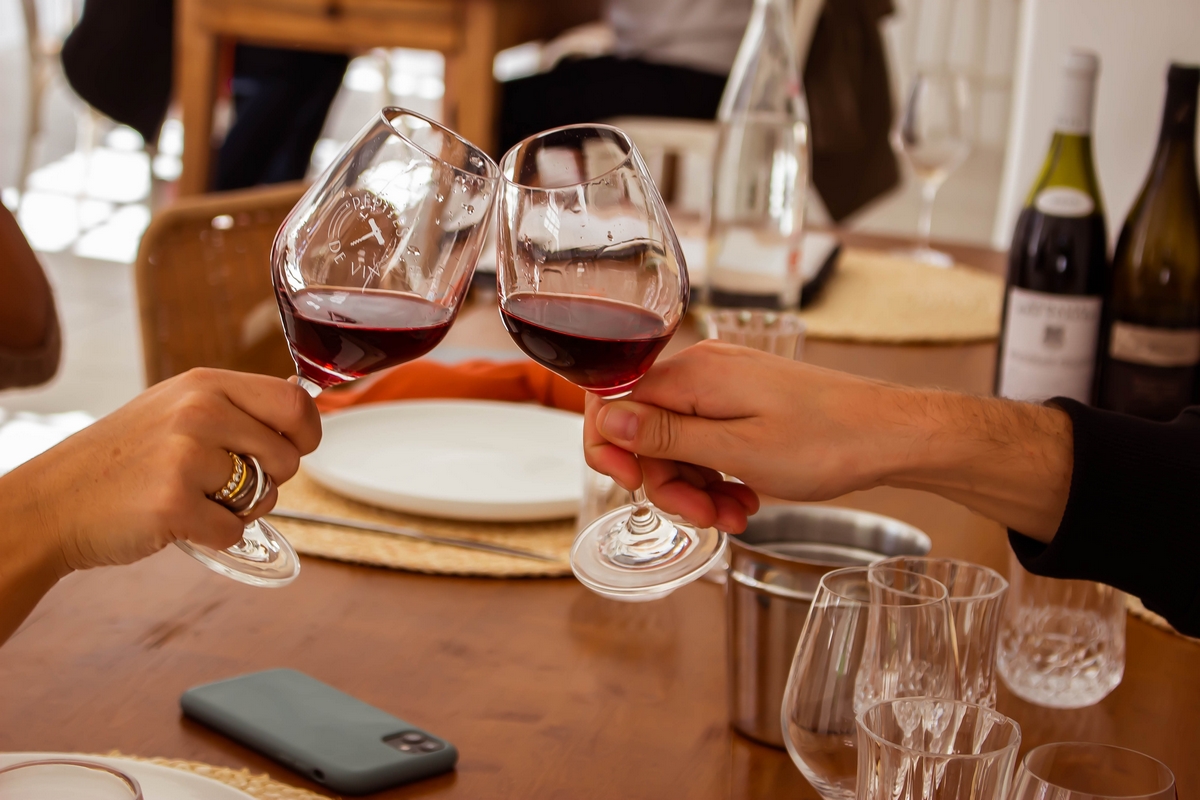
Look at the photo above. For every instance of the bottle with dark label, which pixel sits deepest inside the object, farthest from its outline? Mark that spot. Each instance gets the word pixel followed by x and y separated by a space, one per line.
pixel 1058 261
pixel 1151 346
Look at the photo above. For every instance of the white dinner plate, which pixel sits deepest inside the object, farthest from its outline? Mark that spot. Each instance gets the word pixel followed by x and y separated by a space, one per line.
pixel 460 459
pixel 158 782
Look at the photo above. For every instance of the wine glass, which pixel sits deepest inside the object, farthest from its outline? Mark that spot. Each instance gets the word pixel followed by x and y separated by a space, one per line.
pixel 1086 771
pixel 872 634
pixel 934 136
pixel 592 285
pixel 976 597
pixel 370 269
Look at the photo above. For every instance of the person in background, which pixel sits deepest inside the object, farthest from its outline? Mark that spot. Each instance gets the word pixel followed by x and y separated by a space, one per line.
pixel 30 342
pixel 1085 493
pixel 119 59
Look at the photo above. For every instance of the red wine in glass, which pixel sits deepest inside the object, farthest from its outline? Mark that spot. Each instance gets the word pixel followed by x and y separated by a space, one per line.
pixel 341 334
pixel 598 344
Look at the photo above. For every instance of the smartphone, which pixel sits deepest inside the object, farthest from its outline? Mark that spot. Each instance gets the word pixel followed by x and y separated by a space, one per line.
pixel 316 730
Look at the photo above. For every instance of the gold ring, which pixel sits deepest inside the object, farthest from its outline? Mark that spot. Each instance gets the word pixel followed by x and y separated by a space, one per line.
pixel 237 480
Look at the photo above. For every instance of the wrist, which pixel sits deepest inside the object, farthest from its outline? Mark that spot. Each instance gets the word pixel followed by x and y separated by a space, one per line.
pixel 30 535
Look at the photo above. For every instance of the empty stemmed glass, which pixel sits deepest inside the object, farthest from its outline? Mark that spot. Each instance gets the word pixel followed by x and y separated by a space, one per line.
pixel 934 136
pixel 592 285
pixel 1087 771
pixel 872 634
pixel 370 269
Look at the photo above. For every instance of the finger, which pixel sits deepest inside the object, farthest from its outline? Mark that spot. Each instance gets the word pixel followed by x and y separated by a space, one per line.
pixel 262 506
pixel 652 431
pixel 246 436
pixel 746 496
pixel 605 458
pixel 277 404
pixel 674 495
pixel 212 525
pixel 730 514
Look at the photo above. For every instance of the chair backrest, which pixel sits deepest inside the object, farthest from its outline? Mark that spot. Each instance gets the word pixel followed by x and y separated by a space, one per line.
pixel 204 284
pixel 1135 39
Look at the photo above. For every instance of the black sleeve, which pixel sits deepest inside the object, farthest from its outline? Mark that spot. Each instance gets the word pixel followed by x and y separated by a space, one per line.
pixel 1133 513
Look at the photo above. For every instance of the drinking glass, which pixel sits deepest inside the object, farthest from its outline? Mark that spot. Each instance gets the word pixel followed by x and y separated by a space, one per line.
pixel 1085 771
pixel 780 333
pixel 66 779
pixel 592 285
pixel 1062 643
pixel 934 136
pixel 370 269
pixel 927 748
pixel 976 597
pixel 872 634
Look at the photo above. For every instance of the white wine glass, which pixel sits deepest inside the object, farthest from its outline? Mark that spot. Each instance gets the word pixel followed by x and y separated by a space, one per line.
pixel 934 135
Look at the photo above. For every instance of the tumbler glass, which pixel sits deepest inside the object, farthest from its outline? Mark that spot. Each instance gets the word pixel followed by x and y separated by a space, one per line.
pixel 778 332
pixel 976 602
pixel 1062 643
pixel 872 634
pixel 928 748
pixel 1085 771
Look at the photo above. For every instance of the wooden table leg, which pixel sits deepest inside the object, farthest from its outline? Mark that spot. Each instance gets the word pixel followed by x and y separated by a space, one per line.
pixel 470 100
pixel 195 78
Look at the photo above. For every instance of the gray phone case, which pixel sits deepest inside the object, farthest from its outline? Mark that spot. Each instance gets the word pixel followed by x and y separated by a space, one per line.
pixel 326 735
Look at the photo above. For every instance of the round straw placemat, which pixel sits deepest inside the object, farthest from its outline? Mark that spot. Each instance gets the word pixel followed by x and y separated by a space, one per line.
pixel 1149 617
pixel 260 787
pixel 876 297
pixel 302 493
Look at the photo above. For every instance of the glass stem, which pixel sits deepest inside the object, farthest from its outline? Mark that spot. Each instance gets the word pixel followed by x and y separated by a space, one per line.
pixel 929 190
pixel 645 538
pixel 309 386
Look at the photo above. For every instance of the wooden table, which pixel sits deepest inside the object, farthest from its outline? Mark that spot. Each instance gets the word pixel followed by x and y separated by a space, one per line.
pixel 468 32
pixel 548 691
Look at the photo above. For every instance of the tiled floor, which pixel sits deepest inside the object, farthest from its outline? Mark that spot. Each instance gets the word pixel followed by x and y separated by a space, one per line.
pixel 84 214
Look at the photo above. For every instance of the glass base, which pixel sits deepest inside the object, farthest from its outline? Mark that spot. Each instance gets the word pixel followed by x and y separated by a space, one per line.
pixel 262 558
pixel 675 554
pixel 926 255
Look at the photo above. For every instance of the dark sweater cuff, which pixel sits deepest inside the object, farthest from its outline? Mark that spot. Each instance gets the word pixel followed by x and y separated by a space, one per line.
pixel 1133 513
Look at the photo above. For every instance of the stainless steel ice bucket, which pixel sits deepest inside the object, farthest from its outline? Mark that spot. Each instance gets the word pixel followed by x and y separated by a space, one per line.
pixel 774 569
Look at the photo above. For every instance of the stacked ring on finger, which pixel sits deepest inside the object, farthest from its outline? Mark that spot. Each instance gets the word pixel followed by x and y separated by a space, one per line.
pixel 246 487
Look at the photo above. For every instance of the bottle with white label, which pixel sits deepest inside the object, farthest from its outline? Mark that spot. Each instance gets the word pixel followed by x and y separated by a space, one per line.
pixel 1152 336
pixel 1058 262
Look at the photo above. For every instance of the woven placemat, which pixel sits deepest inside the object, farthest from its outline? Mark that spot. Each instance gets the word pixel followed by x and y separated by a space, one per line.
pixel 302 493
pixel 876 297
pixel 1149 617
pixel 260 787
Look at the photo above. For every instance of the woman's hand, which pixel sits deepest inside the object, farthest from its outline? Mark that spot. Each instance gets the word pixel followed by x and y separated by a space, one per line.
pixel 799 432
pixel 141 477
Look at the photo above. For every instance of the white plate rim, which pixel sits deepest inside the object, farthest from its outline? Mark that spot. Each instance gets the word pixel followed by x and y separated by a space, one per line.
pixel 221 791
pixel 551 508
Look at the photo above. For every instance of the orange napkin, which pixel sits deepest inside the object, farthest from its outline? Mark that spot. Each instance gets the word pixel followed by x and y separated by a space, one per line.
pixel 515 381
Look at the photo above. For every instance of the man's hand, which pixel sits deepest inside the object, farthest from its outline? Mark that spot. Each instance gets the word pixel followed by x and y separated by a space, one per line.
pixel 799 432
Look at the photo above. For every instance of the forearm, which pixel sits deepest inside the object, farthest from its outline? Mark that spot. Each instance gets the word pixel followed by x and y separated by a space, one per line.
pixel 1010 462
pixel 30 560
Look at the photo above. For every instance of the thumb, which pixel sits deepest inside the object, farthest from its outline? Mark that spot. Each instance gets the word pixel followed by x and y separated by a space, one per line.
pixel 652 431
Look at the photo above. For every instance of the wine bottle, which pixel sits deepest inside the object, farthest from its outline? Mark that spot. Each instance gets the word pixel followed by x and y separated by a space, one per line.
pixel 1057 265
pixel 760 170
pixel 1152 334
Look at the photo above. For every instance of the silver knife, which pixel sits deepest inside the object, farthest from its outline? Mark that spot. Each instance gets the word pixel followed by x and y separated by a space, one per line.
pixel 374 527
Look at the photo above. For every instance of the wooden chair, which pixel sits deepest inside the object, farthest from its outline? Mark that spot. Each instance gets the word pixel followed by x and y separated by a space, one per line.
pixel 204 284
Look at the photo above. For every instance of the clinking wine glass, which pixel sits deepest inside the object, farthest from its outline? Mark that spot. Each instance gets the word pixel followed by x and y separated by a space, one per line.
pixel 935 137
pixel 592 284
pixel 370 269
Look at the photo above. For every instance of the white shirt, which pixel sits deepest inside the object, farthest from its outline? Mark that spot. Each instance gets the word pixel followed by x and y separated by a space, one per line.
pixel 701 34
